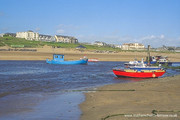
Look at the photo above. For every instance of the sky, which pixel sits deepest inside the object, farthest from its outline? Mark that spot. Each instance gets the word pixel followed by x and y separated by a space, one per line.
pixel 150 22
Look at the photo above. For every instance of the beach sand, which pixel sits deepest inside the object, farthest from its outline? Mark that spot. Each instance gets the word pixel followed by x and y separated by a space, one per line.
pixel 74 54
pixel 160 94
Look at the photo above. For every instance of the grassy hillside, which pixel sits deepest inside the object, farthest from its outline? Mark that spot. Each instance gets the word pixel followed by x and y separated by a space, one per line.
pixel 8 41
pixel 12 41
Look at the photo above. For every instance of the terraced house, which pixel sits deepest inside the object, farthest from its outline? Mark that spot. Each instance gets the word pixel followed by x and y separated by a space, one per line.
pixel 29 35
pixel 47 38
pixel 65 39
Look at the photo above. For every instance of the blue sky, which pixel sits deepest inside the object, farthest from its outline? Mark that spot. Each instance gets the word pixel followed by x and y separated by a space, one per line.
pixel 154 22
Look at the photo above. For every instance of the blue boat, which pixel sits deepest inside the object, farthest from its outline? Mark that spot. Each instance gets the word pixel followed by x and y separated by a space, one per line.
pixel 59 59
pixel 151 62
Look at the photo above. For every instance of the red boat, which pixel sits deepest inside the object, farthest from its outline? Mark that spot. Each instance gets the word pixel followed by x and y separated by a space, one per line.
pixel 93 60
pixel 138 74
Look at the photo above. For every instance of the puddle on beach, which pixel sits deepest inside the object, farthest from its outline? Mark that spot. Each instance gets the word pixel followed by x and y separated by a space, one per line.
pixel 53 106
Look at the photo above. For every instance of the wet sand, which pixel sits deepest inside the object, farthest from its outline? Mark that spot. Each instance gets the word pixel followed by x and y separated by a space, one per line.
pixel 41 106
pixel 74 54
pixel 162 95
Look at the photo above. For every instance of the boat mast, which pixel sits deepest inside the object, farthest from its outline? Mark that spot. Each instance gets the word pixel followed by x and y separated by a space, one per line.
pixel 148 51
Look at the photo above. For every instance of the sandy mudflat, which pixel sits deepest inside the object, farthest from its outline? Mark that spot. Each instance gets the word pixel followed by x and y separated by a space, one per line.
pixel 73 54
pixel 162 94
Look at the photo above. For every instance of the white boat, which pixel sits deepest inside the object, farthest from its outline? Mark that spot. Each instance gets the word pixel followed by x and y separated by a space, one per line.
pixel 164 60
pixel 142 66
pixel 132 63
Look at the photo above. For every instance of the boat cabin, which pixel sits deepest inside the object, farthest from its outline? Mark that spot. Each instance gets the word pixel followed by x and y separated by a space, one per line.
pixel 58 57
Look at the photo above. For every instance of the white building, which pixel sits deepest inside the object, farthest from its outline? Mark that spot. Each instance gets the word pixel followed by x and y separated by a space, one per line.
pixel 117 46
pixel 1 35
pixel 29 35
pixel 133 46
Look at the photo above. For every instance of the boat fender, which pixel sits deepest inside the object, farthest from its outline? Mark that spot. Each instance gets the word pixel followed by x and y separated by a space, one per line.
pixel 153 75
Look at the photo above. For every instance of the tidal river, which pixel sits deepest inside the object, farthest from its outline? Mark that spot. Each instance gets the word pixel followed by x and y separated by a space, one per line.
pixel 32 90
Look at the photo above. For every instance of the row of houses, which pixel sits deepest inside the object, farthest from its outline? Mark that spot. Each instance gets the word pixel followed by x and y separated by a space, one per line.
pixel 30 35
pixel 125 46
pixel 137 46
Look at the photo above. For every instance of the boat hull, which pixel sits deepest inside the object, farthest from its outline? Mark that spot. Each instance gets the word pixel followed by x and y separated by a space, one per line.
pixel 77 62
pixel 93 60
pixel 138 74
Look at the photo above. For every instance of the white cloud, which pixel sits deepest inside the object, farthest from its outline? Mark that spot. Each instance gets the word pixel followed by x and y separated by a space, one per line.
pixel 60 31
pixel 159 40
pixel 37 29
pixel 67 29
pixel 150 37
pixel 67 26
pixel 162 36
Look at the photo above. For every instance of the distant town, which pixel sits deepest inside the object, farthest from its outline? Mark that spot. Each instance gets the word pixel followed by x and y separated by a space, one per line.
pixel 35 36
